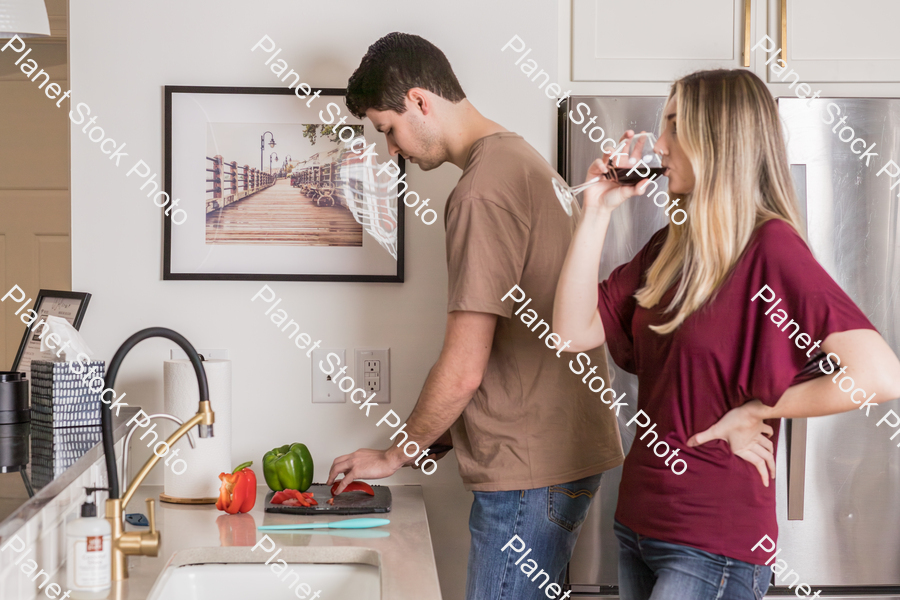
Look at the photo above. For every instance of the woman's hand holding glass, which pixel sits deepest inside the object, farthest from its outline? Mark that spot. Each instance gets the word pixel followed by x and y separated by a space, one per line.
pixel 607 193
pixel 575 306
pixel 747 435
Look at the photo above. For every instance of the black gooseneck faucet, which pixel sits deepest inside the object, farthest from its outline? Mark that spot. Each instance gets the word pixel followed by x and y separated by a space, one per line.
pixel 129 543
pixel 110 380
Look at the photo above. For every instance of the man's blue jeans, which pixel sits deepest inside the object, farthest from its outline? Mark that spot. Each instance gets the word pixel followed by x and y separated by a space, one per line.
pixel 547 520
pixel 657 570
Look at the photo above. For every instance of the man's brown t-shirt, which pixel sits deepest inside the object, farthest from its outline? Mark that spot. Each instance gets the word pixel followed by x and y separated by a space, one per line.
pixel 533 422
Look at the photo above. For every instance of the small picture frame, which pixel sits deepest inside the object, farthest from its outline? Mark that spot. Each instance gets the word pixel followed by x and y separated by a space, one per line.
pixel 263 179
pixel 70 306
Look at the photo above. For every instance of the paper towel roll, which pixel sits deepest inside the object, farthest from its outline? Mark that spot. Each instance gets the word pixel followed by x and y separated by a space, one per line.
pixel 210 456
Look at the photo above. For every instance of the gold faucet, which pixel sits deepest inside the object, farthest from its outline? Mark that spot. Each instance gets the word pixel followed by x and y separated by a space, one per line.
pixel 138 543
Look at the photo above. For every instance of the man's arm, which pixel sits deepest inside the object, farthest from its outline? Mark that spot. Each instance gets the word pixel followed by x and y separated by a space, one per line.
pixel 449 388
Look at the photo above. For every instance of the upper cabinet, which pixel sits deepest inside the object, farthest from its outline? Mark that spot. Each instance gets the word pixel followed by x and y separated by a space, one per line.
pixel 836 41
pixel 659 40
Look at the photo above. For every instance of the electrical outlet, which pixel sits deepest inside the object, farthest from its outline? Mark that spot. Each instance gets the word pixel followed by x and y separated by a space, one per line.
pixel 373 368
pixel 324 389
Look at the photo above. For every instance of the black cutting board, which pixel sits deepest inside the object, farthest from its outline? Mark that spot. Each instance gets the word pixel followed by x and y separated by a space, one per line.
pixel 348 503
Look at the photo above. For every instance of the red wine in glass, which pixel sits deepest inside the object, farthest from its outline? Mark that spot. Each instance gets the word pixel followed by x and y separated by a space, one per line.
pixel 639 148
pixel 620 174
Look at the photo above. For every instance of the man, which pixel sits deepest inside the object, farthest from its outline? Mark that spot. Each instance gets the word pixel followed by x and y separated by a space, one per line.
pixel 531 438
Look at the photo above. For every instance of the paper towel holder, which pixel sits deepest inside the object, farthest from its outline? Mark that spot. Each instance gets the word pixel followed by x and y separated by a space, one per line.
pixel 163 497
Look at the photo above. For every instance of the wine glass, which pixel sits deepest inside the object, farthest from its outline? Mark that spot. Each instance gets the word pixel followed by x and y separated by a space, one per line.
pixel 632 160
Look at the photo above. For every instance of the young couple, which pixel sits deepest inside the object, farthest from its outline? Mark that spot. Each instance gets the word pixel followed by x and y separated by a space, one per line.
pixel 714 374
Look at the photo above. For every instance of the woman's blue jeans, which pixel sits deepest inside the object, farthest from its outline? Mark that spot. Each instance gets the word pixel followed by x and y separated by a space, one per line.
pixel 546 520
pixel 650 569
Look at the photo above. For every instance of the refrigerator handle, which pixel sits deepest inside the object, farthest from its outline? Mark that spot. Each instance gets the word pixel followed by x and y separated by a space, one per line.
pixel 784 32
pixel 796 468
pixel 747 34
pixel 798 174
pixel 796 428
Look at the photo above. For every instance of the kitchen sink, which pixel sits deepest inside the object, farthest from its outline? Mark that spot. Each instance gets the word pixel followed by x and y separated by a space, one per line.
pixel 329 573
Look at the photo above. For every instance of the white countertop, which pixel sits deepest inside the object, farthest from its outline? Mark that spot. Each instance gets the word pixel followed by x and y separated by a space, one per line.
pixel 408 568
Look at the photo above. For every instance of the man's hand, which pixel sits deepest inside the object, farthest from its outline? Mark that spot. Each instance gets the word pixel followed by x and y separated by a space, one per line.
pixel 747 435
pixel 365 463
pixel 448 389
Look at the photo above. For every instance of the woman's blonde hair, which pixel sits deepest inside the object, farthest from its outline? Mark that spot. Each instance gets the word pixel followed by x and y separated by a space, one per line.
pixel 729 129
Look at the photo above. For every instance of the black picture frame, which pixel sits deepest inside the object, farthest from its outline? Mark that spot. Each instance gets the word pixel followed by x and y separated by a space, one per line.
pixel 326 95
pixel 29 338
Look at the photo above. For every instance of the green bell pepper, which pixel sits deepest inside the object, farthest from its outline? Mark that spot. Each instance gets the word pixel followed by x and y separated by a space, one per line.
pixel 289 467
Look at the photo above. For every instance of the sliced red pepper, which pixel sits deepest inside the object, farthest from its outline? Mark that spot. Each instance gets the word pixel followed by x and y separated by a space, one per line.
pixel 296 494
pixel 354 486
pixel 280 497
pixel 331 501
pixel 238 491
pixel 283 495
pixel 293 498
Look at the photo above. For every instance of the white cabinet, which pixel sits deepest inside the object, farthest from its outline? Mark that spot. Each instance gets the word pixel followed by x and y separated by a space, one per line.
pixel 837 41
pixel 658 40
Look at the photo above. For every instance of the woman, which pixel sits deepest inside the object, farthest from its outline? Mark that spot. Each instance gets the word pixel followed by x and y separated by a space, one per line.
pixel 715 372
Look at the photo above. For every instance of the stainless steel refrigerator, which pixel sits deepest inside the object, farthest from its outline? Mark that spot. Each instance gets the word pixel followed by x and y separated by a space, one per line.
pixel 838 477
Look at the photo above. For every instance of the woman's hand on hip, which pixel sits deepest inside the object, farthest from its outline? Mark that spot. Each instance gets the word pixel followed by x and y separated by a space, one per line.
pixel 747 436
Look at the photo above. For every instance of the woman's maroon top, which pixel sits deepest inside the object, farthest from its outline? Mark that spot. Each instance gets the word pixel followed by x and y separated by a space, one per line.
pixel 721 356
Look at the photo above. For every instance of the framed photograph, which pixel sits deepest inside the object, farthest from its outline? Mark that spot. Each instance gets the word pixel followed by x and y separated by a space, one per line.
pixel 70 306
pixel 272 185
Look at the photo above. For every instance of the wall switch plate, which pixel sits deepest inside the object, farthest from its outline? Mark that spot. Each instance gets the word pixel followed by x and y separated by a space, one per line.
pixel 324 389
pixel 373 371
pixel 176 353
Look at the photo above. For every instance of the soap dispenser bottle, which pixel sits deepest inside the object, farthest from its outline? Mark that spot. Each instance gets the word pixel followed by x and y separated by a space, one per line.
pixel 89 546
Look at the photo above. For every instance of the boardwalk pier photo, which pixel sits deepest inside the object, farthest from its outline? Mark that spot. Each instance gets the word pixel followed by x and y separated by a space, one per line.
pixel 249 207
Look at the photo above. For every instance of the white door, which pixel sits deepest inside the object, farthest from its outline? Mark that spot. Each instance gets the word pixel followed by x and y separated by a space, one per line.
pixel 35 225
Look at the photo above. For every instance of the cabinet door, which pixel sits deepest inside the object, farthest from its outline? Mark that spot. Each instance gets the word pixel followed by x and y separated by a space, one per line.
pixel 656 40
pixel 836 41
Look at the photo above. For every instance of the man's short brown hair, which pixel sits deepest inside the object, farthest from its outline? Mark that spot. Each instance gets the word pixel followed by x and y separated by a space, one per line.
pixel 395 64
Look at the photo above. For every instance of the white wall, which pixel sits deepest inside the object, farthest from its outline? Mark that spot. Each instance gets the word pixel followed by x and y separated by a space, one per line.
pixel 121 56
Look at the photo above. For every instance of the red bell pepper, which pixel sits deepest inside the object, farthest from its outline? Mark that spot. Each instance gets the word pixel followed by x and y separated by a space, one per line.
pixel 354 486
pixel 238 491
